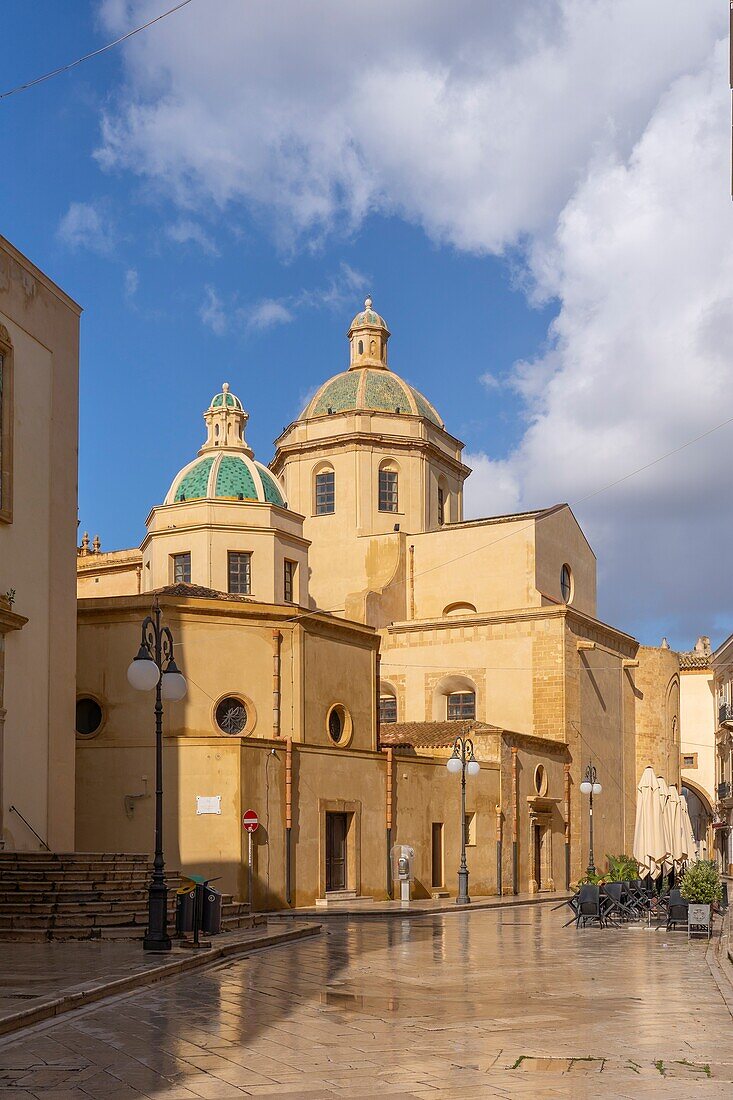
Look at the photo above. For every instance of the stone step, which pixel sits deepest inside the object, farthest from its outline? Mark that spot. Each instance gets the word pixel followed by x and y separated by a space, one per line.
pixel 72 857
pixel 49 911
pixel 22 874
pixel 130 932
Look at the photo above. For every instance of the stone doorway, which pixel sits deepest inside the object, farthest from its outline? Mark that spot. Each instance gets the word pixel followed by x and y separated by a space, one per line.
pixel 337 828
pixel 540 846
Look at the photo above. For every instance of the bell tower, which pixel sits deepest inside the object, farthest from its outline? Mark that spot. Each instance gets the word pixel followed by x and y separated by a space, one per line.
pixel 368 338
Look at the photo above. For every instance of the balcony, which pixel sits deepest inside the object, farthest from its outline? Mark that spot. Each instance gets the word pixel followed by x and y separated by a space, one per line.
pixel 725 715
pixel 724 791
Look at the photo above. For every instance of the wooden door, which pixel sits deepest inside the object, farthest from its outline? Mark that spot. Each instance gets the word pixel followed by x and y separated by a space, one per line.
pixel 438 872
pixel 336 829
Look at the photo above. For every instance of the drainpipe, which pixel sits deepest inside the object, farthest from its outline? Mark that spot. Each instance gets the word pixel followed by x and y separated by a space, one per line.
pixel 498 849
pixel 412 582
pixel 389 822
pixel 276 647
pixel 567 826
pixel 378 696
pixel 288 815
pixel 515 823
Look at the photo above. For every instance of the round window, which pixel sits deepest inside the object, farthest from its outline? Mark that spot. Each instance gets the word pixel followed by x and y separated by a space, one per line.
pixel 339 725
pixel 231 715
pixel 566 584
pixel 540 780
pixel 88 716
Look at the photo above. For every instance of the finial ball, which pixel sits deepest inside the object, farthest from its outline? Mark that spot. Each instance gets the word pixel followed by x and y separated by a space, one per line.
pixel 368 303
pixel 225 388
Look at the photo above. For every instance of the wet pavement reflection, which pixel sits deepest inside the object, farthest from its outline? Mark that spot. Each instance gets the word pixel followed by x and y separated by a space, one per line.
pixel 492 1003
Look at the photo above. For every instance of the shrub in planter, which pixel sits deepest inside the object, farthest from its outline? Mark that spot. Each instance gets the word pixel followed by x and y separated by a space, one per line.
pixel 622 869
pixel 701 883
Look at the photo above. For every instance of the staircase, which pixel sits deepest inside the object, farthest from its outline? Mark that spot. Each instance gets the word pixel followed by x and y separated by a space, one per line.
pixel 88 895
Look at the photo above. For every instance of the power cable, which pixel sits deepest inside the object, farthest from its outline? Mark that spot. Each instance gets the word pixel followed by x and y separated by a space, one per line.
pixel 94 53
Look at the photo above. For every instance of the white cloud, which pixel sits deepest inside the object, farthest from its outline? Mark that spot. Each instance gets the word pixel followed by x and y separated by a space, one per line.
pixel 590 136
pixel 132 281
pixel 267 313
pixel 186 231
pixel 473 120
pixel 85 225
pixel 490 381
pixel 212 312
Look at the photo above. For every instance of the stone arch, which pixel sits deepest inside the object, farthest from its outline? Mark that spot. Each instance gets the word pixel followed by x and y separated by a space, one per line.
pixel 449 685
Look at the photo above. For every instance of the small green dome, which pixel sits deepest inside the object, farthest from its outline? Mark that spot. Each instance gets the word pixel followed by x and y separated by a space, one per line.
pixel 375 390
pixel 225 398
pixel 226 476
pixel 368 317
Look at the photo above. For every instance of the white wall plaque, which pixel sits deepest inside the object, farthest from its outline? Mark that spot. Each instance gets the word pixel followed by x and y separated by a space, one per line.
pixel 208 803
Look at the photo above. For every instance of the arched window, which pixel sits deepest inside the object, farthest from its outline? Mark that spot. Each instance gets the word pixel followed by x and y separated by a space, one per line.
pixel 361 347
pixel 388 487
pixel 461 706
pixel 442 501
pixel 324 491
pixel 387 703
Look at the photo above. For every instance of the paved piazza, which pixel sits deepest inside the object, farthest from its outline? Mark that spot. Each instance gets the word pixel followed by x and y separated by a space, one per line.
pixel 492 1003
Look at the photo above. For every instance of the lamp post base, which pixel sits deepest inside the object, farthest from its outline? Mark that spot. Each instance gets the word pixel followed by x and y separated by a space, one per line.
pixel 463 898
pixel 156 934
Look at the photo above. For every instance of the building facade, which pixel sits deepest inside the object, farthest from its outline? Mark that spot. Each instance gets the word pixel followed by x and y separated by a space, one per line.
pixel 438 627
pixel 39 369
pixel 722 666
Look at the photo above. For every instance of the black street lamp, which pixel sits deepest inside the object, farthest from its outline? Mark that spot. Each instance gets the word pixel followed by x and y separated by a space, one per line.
pixel 590 786
pixel 463 761
pixel 154 667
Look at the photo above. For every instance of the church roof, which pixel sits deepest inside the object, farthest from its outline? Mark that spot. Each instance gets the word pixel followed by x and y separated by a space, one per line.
pixel 430 735
pixel 369 389
pixel 225 476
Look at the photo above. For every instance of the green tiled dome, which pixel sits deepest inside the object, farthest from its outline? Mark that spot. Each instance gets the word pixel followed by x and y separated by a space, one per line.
pixel 226 476
pixel 227 399
pixel 377 390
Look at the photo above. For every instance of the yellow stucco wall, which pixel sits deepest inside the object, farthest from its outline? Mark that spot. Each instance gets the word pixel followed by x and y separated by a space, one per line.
pixel 37 558
pixel 698 724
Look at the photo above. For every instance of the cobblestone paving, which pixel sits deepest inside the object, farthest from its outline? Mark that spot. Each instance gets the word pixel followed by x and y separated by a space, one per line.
pixel 486 1004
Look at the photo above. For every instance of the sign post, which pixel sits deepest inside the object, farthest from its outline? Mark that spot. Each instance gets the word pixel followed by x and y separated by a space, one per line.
pixel 250 824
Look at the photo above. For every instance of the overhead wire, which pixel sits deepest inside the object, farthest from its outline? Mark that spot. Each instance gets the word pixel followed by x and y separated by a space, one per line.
pixel 93 53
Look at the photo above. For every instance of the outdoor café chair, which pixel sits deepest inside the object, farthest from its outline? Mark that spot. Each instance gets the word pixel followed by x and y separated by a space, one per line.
pixel 590 907
pixel 676 910
pixel 614 906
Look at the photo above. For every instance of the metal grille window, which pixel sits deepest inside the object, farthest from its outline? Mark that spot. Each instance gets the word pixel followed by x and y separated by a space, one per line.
pixel 182 568
pixel 325 493
pixel 441 507
pixel 566 584
pixel 461 706
pixel 387 708
pixel 240 573
pixel 387 490
pixel 231 715
pixel 289 581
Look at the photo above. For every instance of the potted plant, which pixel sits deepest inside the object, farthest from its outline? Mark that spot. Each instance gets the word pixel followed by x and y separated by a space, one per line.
pixel 622 869
pixel 701 887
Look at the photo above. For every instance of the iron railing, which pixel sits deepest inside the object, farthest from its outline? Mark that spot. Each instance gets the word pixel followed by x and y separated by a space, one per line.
pixel 723 790
pixel 725 714
pixel 15 810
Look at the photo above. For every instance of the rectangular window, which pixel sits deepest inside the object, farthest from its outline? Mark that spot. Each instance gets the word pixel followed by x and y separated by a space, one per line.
pixel 240 573
pixel 387 708
pixel 689 761
pixel 289 581
pixel 438 874
pixel 471 829
pixel 182 568
pixel 325 493
pixel 387 491
pixel 441 507
pixel 461 706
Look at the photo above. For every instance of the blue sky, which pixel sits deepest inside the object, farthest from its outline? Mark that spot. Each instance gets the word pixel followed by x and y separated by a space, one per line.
pixel 220 193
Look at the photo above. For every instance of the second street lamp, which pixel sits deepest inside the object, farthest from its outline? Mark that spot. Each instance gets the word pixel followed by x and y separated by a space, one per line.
pixel 154 667
pixel 463 761
pixel 591 786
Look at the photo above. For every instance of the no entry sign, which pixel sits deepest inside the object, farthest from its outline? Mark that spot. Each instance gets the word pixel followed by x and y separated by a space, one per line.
pixel 250 821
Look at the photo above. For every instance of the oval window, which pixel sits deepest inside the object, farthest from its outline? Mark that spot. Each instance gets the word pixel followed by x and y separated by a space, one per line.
pixel 339 725
pixel 566 584
pixel 231 715
pixel 88 716
pixel 540 780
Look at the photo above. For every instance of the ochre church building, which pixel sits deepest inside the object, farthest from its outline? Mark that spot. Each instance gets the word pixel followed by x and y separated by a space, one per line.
pixel 340 625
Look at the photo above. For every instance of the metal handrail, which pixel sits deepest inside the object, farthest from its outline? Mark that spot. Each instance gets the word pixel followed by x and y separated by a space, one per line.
pixel 14 809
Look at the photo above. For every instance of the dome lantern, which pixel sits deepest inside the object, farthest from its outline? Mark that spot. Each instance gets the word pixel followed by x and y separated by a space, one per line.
pixel 226 422
pixel 368 335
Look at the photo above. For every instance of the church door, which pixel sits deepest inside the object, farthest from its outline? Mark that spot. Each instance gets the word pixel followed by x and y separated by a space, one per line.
pixel 336 829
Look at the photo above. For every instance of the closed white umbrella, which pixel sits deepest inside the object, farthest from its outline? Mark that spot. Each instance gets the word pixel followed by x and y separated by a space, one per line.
pixel 692 853
pixel 666 830
pixel 648 835
pixel 677 834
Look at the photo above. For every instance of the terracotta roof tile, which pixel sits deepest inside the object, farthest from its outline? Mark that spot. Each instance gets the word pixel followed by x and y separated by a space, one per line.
pixel 430 735
pixel 198 591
